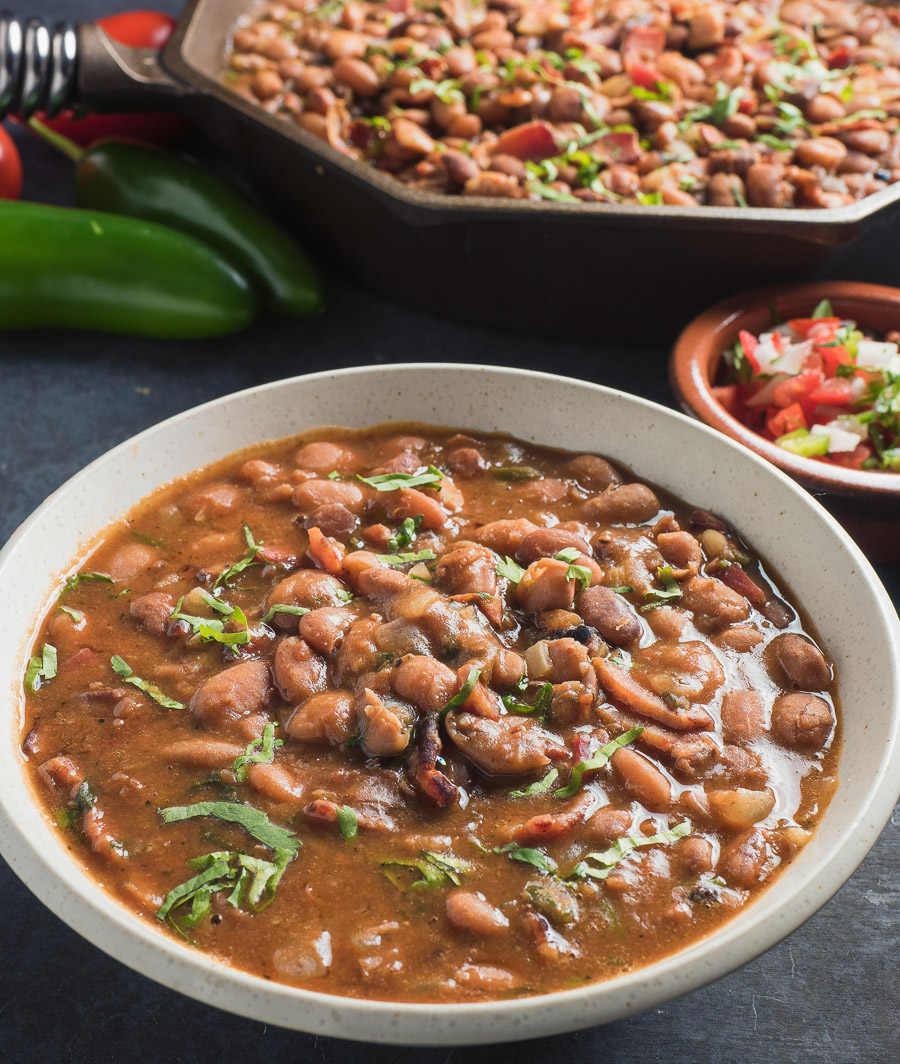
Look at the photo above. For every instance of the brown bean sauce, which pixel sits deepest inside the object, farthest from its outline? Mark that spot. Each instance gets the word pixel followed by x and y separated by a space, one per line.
pixel 440 681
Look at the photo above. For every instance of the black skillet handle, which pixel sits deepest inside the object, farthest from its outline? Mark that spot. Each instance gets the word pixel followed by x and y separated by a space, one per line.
pixel 52 69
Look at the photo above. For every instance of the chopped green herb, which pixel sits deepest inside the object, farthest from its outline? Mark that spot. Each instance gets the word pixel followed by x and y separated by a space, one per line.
pixel 538 787
pixel 211 629
pixel 823 309
pixel 76 615
pixel 348 821
pixel 435 870
pixel 596 762
pixel 508 569
pixel 522 709
pixel 86 578
pixel 670 593
pixel 41 668
pixel 123 669
pixel 252 557
pixel 623 589
pixel 405 559
pixel 528 855
pixel 579 573
pixel 516 473
pixel 253 821
pixel 406 533
pixel 459 699
pixel 396 481
pixel 293 611
pixel 259 751
pixel 145 537
pixel 621 848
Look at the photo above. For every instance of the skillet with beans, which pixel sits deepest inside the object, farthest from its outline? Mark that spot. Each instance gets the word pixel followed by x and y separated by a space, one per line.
pixel 415 715
pixel 677 102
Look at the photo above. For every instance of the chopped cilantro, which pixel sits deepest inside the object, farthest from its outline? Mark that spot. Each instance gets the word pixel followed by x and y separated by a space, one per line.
pixel 293 611
pixel 538 787
pixel 348 821
pixel 123 669
pixel 405 559
pixel 253 821
pixel 522 709
pixel 259 751
pixel 459 699
pixel 579 573
pixel 670 592
pixel 509 570
pixel 435 870
pixel 596 761
pixel 528 855
pixel 41 668
pixel 252 557
pixel 406 532
pixel 396 481
pixel 211 629
pixel 609 858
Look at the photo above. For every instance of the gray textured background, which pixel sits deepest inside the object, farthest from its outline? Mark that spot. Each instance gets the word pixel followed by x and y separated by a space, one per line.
pixel 828 994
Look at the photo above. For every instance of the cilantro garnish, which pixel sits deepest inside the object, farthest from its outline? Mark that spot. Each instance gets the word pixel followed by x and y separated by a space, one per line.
pixel 538 787
pixel 670 592
pixel 522 709
pixel 41 668
pixel 259 751
pixel 294 611
pixel 580 573
pixel 211 629
pixel 253 556
pixel 508 569
pixel 123 669
pixel 348 821
pixel 396 481
pixel 596 761
pixel 528 855
pixel 405 533
pixel 459 699
pixel 609 858
pixel 435 870
pixel 253 821
pixel 404 559
pixel 823 309
pixel 85 578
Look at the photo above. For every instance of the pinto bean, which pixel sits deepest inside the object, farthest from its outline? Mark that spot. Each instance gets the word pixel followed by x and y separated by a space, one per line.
pixel 742 862
pixel 868 141
pixel 299 671
pixel 610 614
pixel 203 752
pixel 267 84
pixel 469 911
pixel 510 746
pixel 820 151
pixel 309 588
pixel 592 472
pixel 695 855
pixel 800 660
pixel 743 716
pixel 548 542
pixel 324 628
pixel 411 503
pixel 425 682
pixel 465 462
pixel 386 727
pixel 312 494
pixel 766 186
pixel 357 75
pixel 233 693
pixel 713 603
pixel 152 612
pixel 681 550
pixel 642 779
pixel 741 807
pixel 326 717
pixel 324 457
pixel 332 519
pixel 607 824
pixel 545 586
pixel 468 568
pixel 504 537
pixel 622 504
pixel 802 720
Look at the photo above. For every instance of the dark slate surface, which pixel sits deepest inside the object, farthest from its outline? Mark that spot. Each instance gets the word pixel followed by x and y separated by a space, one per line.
pixel 828 993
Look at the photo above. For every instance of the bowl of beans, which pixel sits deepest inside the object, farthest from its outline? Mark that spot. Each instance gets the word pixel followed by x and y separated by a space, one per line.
pixel 808 377
pixel 454 731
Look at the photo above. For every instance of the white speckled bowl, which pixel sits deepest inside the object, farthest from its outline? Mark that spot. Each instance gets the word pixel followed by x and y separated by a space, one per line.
pixel 826 571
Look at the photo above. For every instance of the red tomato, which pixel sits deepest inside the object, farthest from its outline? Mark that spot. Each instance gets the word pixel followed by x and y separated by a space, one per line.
pixel 803 325
pixel 832 357
pixel 137 29
pixel 835 391
pixel 749 343
pixel 648 77
pixel 780 422
pixel 10 168
pixel 796 389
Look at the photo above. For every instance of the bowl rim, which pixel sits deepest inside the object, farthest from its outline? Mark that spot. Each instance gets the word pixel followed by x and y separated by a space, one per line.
pixel 703 341
pixel 133 941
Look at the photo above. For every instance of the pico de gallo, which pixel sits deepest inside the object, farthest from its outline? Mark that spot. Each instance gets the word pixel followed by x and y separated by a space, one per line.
pixel 820 387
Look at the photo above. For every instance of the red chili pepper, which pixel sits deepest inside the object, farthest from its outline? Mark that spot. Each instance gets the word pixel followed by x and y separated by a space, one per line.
pixel 835 391
pixel 10 168
pixel 781 422
pixel 137 29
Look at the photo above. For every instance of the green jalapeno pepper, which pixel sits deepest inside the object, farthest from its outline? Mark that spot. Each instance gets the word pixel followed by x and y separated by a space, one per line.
pixel 144 182
pixel 91 270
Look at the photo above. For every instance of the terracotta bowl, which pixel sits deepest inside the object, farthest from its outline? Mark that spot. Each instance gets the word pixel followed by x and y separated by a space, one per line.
pixel 867 503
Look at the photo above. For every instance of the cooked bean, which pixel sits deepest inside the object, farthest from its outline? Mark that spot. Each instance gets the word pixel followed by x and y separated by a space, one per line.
pixel 740 808
pixel 152 612
pixel 358 76
pixel 326 717
pixel 743 716
pixel 610 614
pixel 712 603
pixel 312 494
pixel 323 628
pixel 802 720
pixel 622 504
pixel 742 862
pixel 800 661
pixel 469 911
pixel 332 519
pixel 308 588
pixel 425 682
pixel 233 693
pixel 546 585
pixel 548 542
pixel 504 537
pixel 299 670
pixel 643 779
pixel 821 151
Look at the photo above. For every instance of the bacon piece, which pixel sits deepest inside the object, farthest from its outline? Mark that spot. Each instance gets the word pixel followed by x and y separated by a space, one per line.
pixel 620 686
pixel 735 578
pixel 427 778
pixel 532 141
pixel 548 826
pixel 327 812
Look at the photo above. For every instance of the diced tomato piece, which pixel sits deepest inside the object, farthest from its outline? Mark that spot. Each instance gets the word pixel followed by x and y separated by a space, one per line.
pixel 832 357
pixel 803 325
pixel 749 343
pixel 532 141
pixel 728 397
pixel 748 103
pixel 839 57
pixel 778 342
pixel 781 422
pixel 835 391
pixel 648 77
pixel 853 459
pixel 796 389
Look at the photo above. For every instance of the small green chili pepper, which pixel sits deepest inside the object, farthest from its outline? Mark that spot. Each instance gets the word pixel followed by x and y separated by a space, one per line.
pixel 90 270
pixel 144 182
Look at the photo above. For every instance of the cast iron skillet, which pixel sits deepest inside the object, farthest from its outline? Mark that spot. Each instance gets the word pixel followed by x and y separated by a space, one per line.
pixel 592 271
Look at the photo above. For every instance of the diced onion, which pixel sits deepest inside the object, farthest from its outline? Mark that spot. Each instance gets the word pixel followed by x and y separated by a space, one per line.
pixel 839 439
pixel 792 358
pixel 876 355
pixel 537 660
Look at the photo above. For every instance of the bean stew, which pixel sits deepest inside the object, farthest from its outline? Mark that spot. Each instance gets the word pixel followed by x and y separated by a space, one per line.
pixel 415 715
pixel 729 103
